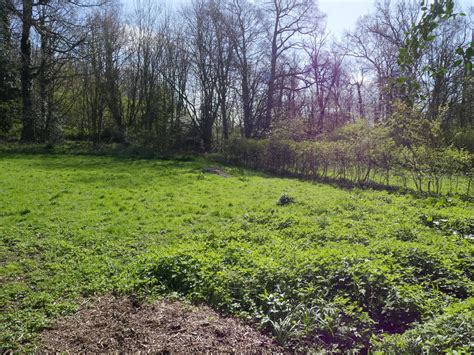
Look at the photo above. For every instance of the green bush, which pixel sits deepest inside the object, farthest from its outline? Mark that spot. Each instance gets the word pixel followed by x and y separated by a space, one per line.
pixel 285 200
pixel 450 332
pixel 331 296
pixel 364 155
pixel 464 139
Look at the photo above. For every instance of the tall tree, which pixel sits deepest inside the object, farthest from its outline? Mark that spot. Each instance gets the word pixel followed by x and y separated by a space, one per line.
pixel 376 41
pixel 246 31
pixel 288 21
pixel 55 23
pixel 28 132
pixel 8 70
pixel 202 44
pixel 112 33
pixel 224 58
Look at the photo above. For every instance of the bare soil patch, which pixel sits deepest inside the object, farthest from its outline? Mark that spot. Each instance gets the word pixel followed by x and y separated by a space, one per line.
pixel 112 324
pixel 215 171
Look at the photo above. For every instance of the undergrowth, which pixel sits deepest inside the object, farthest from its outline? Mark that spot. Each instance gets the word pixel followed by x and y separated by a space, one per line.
pixel 317 266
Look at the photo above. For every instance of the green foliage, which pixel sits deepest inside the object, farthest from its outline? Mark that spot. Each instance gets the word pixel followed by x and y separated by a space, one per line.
pixel 464 139
pixel 422 33
pixel 289 129
pixel 9 114
pixel 285 200
pixel 451 332
pixel 407 145
pixel 9 92
pixel 334 271
pixel 423 151
pixel 410 128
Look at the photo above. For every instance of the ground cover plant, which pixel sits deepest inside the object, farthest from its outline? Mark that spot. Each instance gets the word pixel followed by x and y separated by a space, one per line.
pixel 314 265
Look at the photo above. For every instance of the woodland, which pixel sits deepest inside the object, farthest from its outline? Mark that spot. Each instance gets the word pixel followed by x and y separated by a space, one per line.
pixel 235 154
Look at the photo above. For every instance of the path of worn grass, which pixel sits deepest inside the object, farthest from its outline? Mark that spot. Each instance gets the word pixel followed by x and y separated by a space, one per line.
pixel 75 226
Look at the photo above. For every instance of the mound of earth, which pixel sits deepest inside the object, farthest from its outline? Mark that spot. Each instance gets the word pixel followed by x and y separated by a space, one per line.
pixel 215 171
pixel 121 325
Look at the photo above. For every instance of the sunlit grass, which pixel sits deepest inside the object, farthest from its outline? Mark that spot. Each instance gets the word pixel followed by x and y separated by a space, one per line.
pixel 75 226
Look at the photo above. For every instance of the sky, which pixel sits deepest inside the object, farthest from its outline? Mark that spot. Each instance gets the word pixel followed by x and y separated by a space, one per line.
pixel 341 14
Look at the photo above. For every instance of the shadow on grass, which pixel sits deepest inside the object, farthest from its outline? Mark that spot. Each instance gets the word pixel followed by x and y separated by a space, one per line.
pixel 116 151
pixel 347 184
pixel 118 154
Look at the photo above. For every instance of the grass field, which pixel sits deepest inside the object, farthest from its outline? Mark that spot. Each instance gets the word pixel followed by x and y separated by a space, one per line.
pixel 315 265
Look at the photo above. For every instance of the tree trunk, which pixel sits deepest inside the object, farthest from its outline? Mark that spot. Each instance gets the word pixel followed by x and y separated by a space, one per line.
pixel 359 101
pixel 247 105
pixel 271 80
pixel 28 129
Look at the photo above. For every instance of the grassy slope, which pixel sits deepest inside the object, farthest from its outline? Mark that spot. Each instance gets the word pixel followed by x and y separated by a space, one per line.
pixel 72 226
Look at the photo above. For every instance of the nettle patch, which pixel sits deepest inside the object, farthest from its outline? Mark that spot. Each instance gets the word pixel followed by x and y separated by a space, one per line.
pixel 325 298
pixel 457 226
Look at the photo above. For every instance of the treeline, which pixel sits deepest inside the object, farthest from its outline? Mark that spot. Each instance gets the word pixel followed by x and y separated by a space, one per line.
pixel 363 155
pixel 197 76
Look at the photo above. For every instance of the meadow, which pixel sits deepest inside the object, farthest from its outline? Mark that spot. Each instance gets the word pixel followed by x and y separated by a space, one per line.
pixel 314 265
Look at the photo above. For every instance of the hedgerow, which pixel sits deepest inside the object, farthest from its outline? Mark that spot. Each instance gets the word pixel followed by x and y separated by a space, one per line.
pixel 363 155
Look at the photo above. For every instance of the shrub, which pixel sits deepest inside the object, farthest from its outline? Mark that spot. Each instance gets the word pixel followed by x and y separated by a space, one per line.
pixel 285 200
pixel 451 331
pixel 361 159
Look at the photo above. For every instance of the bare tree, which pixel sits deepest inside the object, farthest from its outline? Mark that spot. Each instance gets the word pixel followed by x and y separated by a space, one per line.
pixel 112 37
pixel 202 45
pixel 442 88
pixel 224 57
pixel 376 41
pixel 289 20
pixel 323 71
pixel 28 129
pixel 91 70
pixel 54 22
pixel 247 34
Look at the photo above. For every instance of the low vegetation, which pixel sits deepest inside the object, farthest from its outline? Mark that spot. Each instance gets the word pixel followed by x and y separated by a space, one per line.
pixel 371 251
pixel 408 152
pixel 314 265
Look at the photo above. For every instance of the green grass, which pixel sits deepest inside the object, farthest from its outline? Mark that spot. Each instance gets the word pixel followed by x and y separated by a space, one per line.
pixel 336 266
